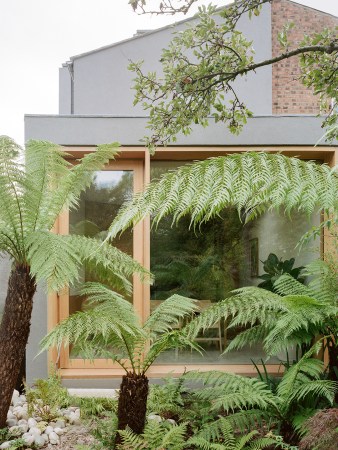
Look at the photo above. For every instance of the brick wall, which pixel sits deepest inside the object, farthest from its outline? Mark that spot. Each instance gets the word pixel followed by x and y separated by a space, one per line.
pixel 289 96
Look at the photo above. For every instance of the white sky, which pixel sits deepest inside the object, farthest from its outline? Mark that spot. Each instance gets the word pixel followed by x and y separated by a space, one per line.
pixel 37 36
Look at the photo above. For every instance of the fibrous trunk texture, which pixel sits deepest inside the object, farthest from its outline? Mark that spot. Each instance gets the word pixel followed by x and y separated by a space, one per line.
pixel 14 332
pixel 132 405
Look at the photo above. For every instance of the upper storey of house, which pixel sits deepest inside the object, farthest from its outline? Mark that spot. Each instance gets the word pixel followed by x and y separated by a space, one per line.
pixel 99 83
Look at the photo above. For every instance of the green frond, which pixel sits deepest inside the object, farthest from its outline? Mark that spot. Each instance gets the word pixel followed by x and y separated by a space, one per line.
pixel 265 182
pixel 247 420
pixel 169 314
pixel 230 392
pixel 68 188
pixel 167 341
pixel 325 389
pixel 305 318
pixel 250 337
pixel 324 281
pixel 109 264
pixel 52 257
pixel 228 434
pixel 175 437
pixel 307 369
pixel 13 183
pixel 155 436
pixel 246 439
pixel 287 285
pixel 204 320
pixel 131 441
pixel 45 164
pixel 109 326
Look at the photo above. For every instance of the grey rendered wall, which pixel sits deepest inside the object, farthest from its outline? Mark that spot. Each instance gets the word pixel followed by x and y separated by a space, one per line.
pixel 102 83
pixel 5 268
pixel 37 366
pixel 87 130
pixel 65 91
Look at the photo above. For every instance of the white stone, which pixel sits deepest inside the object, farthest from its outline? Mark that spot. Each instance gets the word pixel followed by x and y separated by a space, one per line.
pixel 15 396
pixel 54 438
pixel 49 429
pixel 31 422
pixel 74 418
pixel 60 424
pixel 155 417
pixel 45 436
pixel 35 430
pixel 172 421
pixel 58 431
pixel 28 438
pixel 22 422
pixel 6 444
pixel 39 441
pixel 11 422
pixel 20 412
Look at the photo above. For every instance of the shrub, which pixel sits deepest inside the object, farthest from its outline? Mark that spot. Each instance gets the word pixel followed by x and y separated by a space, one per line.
pixel 322 431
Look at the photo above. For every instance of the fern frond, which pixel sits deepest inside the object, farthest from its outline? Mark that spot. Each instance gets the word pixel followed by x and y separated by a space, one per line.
pixel 317 389
pixel 229 392
pixel 52 257
pixel 171 339
pixel 45 164
pixel 109 264
pixel 68 188
pixel 247 420
pixel 250 337
pixel 287 285
pixel 13 183
pixel 305 370
pixel 169 314
pixel 305 315
pixel 175 437
pixel 324 281
pixel 111 325
pixel 266 182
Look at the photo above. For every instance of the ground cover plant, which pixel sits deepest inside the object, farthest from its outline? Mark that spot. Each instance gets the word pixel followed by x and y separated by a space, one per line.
pixel 32 195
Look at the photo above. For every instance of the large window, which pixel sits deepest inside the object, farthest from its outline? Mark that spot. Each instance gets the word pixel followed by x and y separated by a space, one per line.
pixel 205 264
pixel 209 262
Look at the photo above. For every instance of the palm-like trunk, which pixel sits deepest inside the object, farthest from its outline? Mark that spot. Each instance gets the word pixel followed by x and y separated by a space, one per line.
pixel 14 332
pixel 132 407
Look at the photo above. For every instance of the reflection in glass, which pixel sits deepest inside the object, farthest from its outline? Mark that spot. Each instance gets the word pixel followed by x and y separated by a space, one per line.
pixel 222 255
pixel 98 205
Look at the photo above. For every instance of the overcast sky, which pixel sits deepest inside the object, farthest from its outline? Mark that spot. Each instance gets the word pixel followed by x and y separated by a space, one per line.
pixel 37 36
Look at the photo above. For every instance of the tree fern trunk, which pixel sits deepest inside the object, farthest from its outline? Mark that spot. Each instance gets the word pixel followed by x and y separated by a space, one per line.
pixel 132 406
pixel 14 332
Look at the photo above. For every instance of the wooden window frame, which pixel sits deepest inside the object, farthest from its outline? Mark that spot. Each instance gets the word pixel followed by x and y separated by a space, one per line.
pixel 139 158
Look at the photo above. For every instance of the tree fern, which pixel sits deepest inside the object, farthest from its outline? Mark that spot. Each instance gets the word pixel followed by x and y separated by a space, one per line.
pixel 31 197
pixel 255 182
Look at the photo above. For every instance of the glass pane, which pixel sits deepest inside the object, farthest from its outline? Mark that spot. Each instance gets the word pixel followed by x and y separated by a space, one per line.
pixel 98 206
pixel 221 256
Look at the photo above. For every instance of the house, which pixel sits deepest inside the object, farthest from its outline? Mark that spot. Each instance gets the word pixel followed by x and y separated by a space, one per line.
pixel 96 106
